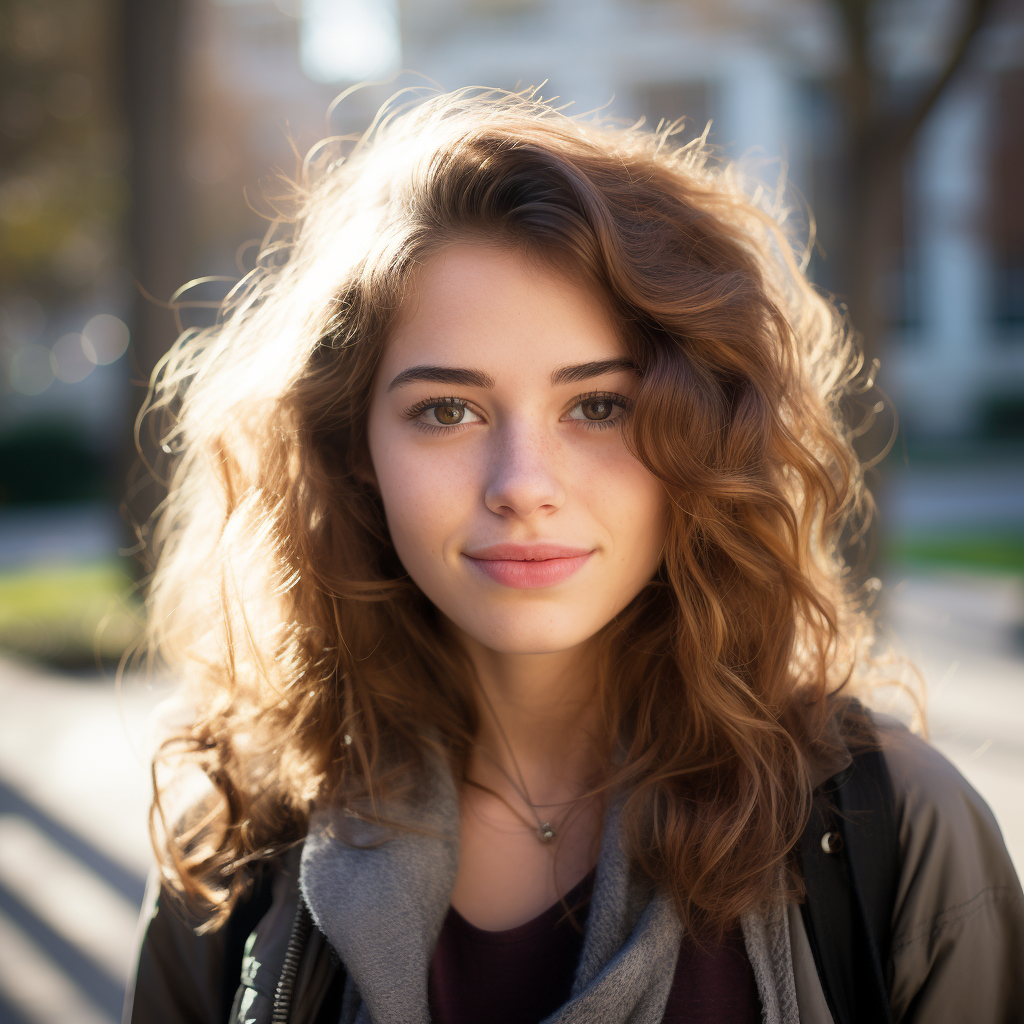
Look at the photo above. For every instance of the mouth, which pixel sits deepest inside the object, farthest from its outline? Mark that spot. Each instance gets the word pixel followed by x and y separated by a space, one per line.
pixel 528 566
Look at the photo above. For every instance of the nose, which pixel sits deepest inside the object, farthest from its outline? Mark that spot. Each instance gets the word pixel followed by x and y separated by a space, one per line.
pixel 523 478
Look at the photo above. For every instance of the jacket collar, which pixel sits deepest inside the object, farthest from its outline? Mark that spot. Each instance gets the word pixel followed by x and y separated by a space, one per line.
pixel 381 896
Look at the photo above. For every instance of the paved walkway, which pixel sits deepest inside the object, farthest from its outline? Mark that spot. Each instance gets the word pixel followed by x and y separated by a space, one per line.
pixel 966 635
pixel 74 791
pixel 74 851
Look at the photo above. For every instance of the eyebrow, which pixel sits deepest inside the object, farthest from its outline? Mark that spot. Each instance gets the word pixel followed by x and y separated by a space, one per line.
pixel 584 371
pixel 462 377
pixel 442 375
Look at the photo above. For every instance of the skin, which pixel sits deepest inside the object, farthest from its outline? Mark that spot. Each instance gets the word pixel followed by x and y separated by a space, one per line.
pixel 516 453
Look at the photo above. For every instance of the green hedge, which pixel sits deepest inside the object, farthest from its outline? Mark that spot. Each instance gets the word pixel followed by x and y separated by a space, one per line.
pixel 69 616
pixel 995 551
pixel 49 461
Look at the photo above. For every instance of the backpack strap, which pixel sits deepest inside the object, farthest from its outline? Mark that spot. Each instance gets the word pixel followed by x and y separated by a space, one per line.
pixel 849 855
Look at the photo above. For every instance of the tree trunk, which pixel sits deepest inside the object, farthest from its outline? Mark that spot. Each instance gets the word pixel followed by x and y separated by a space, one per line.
pixel 152 39
pixel 880 136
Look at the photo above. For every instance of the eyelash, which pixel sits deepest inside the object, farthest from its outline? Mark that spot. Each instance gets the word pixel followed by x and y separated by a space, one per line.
pixel 620 400
pixel 431 403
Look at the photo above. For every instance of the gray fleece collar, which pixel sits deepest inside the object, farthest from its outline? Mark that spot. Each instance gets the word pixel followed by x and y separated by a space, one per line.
pixel 382 909
pixel 382 906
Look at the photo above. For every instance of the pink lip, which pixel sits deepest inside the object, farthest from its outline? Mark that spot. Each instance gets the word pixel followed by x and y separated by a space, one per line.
pixel 525 566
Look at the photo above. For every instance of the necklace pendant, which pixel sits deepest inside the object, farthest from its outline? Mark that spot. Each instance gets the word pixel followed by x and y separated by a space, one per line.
pixel 545 833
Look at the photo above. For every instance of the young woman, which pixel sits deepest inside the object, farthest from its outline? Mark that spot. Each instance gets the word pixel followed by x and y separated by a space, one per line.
pixel 503 556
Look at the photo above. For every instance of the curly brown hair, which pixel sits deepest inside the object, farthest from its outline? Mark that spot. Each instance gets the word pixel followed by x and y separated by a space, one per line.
pixel 316 669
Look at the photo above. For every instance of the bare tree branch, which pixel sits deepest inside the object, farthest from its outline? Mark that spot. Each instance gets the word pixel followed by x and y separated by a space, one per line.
pixel 855 15
pixel 907 127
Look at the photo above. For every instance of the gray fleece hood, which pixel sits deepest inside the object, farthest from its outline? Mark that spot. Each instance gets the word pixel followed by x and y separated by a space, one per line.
pixel 382 908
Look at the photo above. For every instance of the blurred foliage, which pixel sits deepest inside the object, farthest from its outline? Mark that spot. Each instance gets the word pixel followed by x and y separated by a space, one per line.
pixel 46 461
pixel 913 451
pixel 62 154
pixel 69 616
pixel 989 551
pixel 1003 417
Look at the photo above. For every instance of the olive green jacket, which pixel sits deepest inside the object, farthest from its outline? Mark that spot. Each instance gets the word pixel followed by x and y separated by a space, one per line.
pixel 957 952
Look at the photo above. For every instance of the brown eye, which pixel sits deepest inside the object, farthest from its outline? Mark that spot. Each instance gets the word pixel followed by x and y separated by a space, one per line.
pixel 597 408
pixel 449 415
pixel 436 414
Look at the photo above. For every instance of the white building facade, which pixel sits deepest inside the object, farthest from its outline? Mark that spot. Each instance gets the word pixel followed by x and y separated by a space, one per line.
pixel 758 68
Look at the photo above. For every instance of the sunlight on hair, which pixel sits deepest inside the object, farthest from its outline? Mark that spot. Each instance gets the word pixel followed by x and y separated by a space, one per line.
pixel 279 593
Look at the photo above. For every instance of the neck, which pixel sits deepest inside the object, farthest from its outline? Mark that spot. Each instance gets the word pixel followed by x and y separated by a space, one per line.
pixel 538 720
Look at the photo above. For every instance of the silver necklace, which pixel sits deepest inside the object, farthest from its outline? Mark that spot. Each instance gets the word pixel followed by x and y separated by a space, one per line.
pixel 543 830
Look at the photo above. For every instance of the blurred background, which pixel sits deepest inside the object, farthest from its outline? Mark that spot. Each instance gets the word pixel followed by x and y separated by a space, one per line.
pixel 137 138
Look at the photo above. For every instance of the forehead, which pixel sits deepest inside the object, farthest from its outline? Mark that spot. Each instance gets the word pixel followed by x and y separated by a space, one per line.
pixel 479 306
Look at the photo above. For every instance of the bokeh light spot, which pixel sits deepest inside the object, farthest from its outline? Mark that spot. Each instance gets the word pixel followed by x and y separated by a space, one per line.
pixel 105 339
pixel 70 96
pixel 31 372
pixel 349 40
pixel 69 359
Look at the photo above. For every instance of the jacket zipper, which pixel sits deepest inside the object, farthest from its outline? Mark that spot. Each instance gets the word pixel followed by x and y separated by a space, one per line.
pixel 301 928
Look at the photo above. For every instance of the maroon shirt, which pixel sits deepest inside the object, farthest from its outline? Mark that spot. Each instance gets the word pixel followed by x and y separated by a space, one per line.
pixel 521 975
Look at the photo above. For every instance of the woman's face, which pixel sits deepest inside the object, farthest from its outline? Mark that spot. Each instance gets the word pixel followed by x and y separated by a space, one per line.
pixel 496 435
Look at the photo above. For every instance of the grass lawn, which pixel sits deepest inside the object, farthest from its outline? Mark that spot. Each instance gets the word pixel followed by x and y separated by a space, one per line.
pixel 69 615
pixel 995 551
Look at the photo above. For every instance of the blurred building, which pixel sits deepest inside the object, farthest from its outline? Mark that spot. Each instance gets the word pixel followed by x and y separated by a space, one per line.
pixel 765 74
pixel 258 76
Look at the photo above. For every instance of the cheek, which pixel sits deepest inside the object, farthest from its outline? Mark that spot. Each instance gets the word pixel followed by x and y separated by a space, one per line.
pixel 636 513
pixel 424 499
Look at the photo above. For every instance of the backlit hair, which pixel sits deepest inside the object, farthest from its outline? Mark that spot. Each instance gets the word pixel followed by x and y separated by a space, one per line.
pixel 317 669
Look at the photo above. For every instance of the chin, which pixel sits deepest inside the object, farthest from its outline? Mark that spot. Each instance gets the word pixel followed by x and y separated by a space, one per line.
pixel 527 634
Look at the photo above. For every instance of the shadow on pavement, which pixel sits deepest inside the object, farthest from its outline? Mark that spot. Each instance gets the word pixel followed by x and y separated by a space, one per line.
pixel 105 992
pixel 127 882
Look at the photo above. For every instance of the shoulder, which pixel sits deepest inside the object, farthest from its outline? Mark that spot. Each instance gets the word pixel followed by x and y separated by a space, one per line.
pixel 941 819
pixel 934 802
pixel 184 971
pixel 177 971
pixel 958 918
